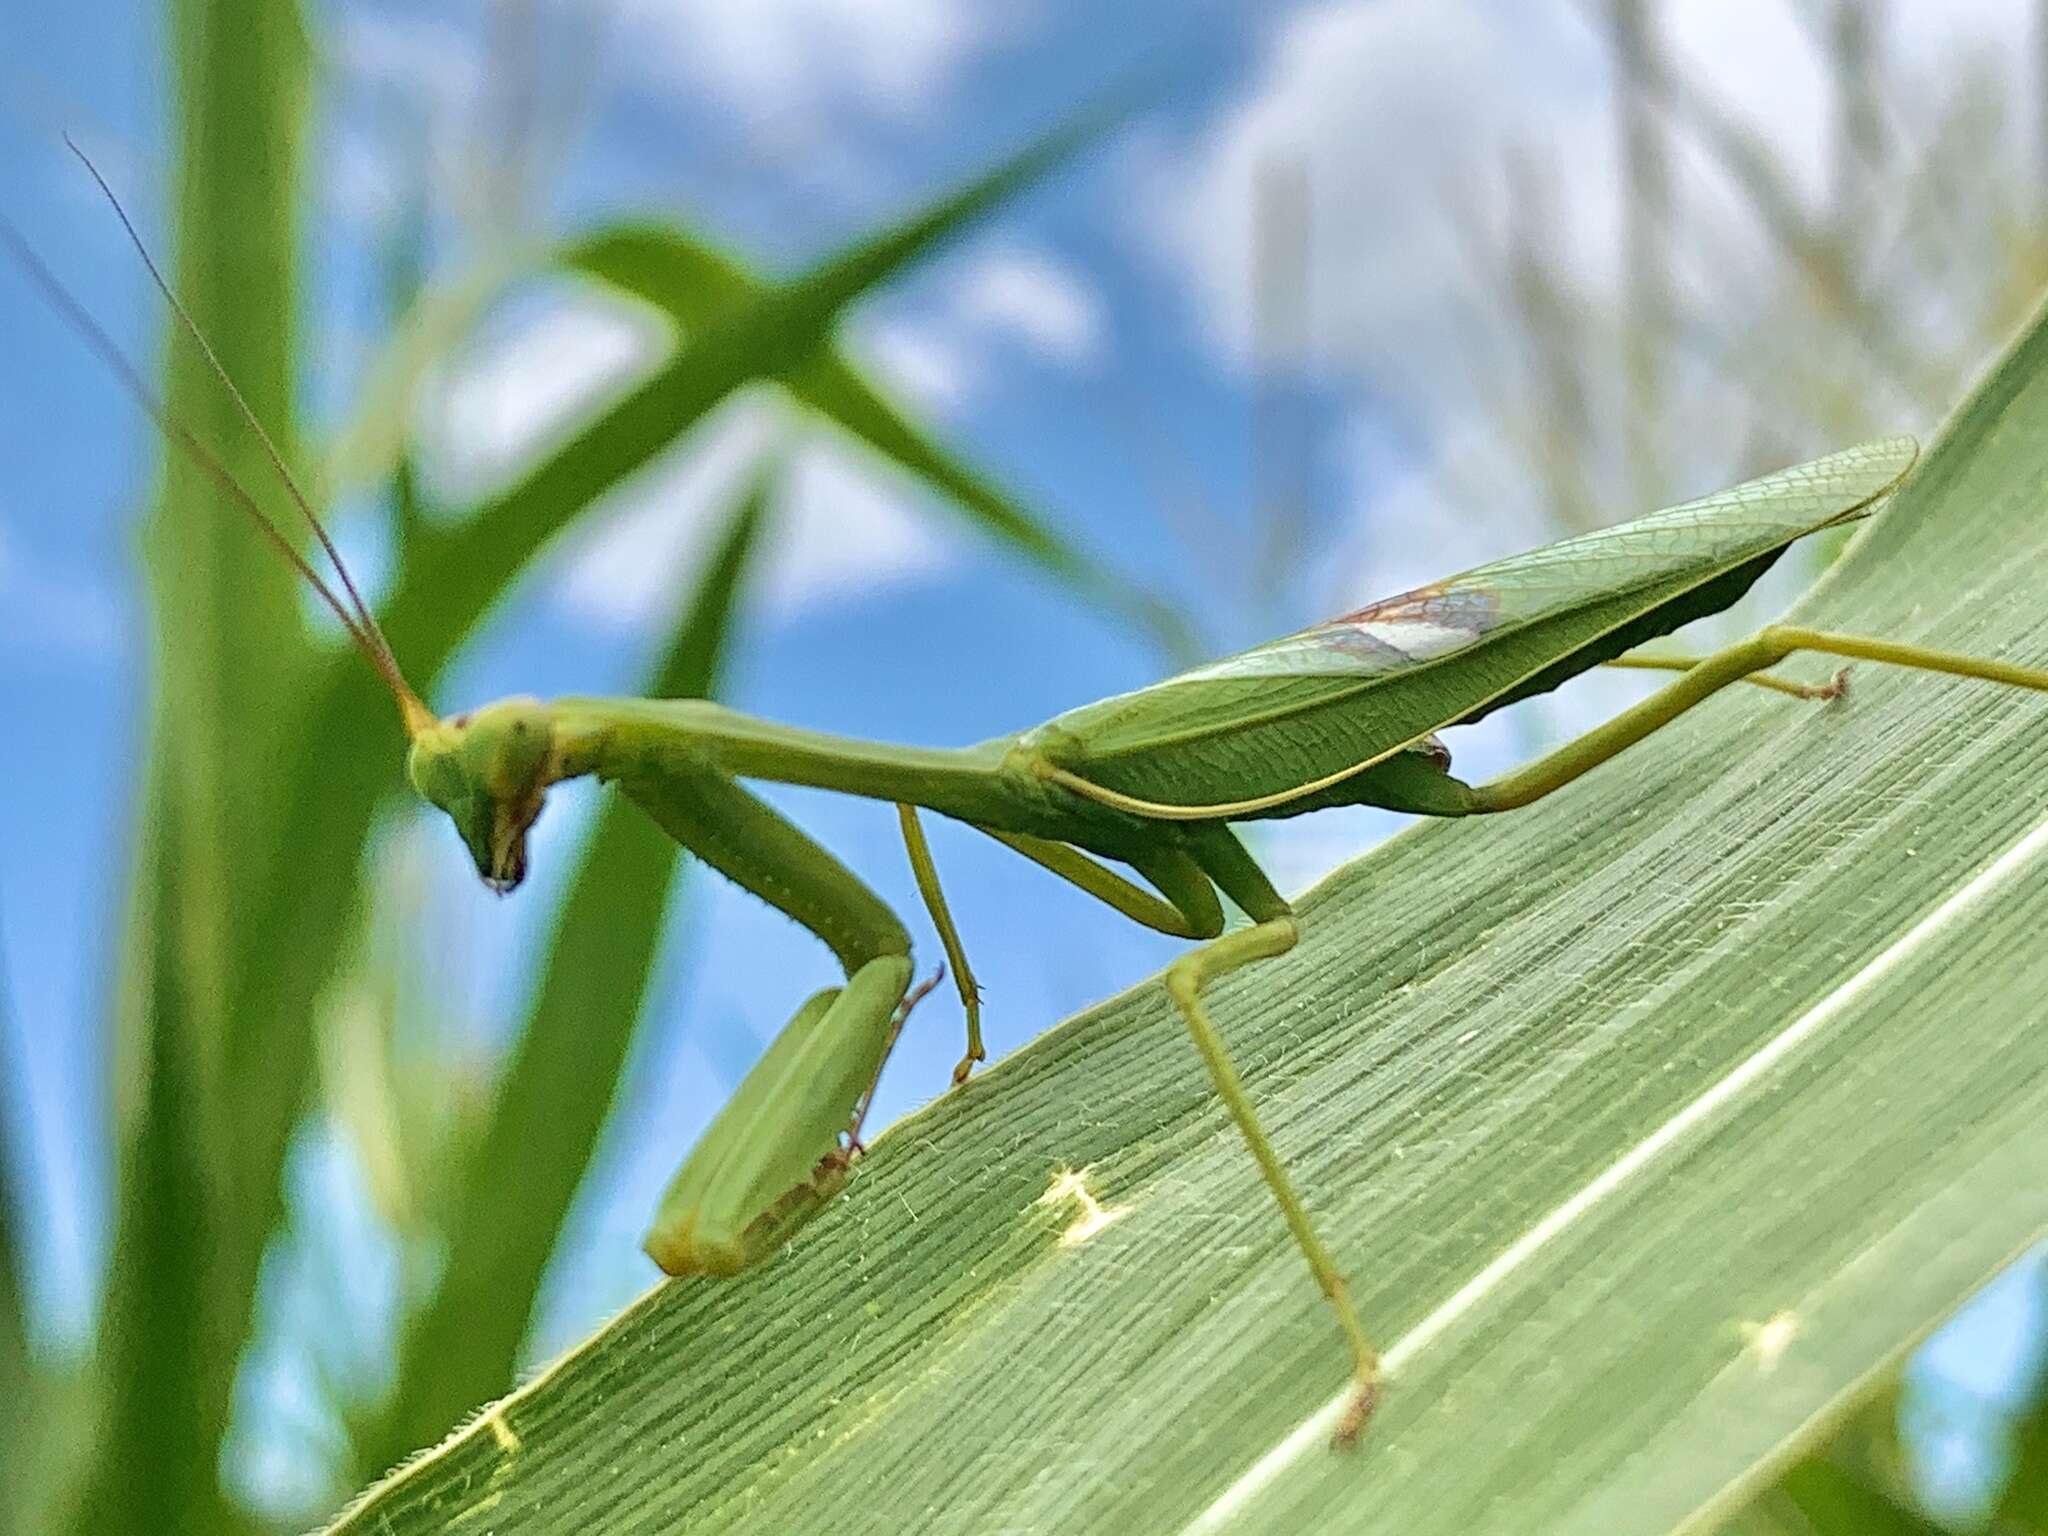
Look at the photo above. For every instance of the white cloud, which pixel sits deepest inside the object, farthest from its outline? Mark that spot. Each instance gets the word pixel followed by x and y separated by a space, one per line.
pixel 813 59
pixel 1388 107
pixel 848 526
pixel 852 526
pixel 626 567
pixel 1403 114
pixel 527 380
pixel 1029 297
pixel 845 528
pixel 1002 299
pixel 934 367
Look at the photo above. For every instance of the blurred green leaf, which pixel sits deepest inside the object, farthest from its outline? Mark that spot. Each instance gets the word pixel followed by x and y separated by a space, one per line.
pixel 2022 1508
pixel 1855 1484
pixel 1655 1123
pixel 163 1369
pixel 695 284
pixel 1833 1501
pixel 463 1347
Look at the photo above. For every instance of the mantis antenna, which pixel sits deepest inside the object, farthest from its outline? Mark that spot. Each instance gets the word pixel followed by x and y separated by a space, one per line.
pixel 356 619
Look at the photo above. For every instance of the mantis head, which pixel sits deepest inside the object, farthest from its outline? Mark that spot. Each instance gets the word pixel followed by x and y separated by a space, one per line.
pixel 489 770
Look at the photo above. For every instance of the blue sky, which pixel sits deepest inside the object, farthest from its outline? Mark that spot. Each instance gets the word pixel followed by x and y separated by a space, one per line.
pixel 1092 349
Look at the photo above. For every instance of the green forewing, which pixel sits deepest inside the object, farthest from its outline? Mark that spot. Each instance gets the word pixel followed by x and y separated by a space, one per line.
pixel 1450 651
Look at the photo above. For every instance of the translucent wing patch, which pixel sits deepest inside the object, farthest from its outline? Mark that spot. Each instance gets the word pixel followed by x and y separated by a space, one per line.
pixel 1448 616
pixel 1386 636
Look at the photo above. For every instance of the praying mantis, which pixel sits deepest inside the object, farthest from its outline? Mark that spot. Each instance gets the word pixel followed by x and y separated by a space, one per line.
pixel 1344 712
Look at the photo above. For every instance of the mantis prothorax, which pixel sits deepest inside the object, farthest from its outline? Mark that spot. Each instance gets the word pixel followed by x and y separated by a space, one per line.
pixel 1342 713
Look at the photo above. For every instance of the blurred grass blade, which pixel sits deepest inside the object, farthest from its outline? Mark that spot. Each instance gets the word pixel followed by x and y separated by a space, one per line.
pixel 162 1371
pixel 696 284
pixel 197 1198
pixel 463 1347
pixel 1655 1125
pixel 1835 1502
pixel 1854 1485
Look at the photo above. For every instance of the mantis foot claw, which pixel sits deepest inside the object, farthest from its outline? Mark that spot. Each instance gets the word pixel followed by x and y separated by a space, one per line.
pixel 1365 1397
pixel 966 1065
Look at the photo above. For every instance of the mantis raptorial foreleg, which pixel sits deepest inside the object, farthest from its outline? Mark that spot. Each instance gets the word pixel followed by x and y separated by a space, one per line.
pixel 1709 676
pixel 740 1192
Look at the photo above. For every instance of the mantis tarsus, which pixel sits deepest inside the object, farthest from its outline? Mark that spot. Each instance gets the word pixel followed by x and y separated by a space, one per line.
pixel 1342 713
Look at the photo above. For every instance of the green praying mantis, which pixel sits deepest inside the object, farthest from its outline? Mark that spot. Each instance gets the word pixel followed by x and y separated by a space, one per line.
pixel 1342 713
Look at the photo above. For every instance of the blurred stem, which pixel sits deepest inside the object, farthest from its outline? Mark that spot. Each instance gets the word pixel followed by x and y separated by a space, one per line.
pixel 1854 28
pixel 1646 211
pixel 1280 329
pixel 1748 162
pixel 163 1388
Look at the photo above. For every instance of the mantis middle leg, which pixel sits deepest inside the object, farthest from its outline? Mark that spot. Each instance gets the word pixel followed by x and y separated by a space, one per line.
pixel 1188 878
pixel 926 872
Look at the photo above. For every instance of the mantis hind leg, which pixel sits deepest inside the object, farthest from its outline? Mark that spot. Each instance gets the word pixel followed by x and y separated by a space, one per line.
pixel 1185 906
pixel 1833 688
pixel 1709 676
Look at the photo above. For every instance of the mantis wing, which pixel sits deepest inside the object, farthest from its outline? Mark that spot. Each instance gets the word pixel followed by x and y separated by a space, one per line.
pixel 1373 681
